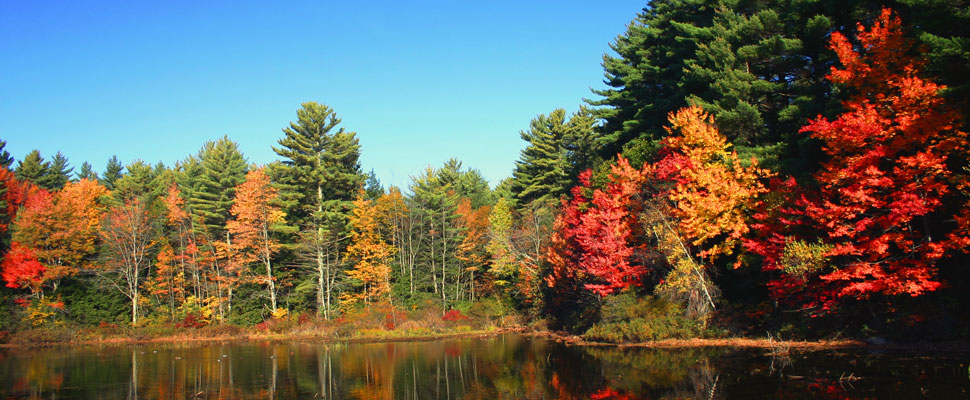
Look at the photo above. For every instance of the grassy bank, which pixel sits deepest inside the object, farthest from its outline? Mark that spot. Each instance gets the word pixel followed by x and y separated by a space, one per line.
pixel 376 322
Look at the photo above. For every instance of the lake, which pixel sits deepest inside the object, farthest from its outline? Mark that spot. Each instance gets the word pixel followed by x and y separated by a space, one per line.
pixel 501 367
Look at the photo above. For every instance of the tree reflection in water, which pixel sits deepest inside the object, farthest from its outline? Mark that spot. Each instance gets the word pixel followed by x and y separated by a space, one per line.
pixel 503 367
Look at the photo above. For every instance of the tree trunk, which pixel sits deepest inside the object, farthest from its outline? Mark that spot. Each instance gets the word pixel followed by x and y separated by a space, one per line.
pixel 269 268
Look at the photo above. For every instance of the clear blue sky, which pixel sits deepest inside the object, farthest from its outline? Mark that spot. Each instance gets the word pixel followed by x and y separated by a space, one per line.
pixel 419 81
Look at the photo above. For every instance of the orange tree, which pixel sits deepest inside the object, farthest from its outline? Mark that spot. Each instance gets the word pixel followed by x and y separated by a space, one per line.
pixel 59 231
pixel 255 214
pixel 369 253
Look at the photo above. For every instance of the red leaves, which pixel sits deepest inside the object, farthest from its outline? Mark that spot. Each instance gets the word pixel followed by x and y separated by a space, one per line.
pixel 596 237
pixel 61 229
pixel 453 316
pixel 885 176
pixel 21 268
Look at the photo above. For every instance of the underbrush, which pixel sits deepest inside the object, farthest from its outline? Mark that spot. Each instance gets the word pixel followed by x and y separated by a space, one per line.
pixel 626 318
pixel 373 321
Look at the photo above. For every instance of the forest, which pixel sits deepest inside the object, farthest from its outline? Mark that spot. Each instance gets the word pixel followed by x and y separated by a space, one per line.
pixel 799 168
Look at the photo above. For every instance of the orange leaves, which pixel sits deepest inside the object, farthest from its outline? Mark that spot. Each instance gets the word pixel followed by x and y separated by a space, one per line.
pixel 369 251
pixel 713 190
pixel 62 228
pixel 476 225
pixel 255 212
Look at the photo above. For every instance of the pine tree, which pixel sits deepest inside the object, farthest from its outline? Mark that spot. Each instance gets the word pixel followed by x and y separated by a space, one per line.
pixel 5 159
pixel 557 151
pixel 58 174
pixel 435 201
pixel 112 173
pixel 87 172
pixel 32 168
pixel 318 177
pixel 372 186
pixel 221 168
pixel 644 79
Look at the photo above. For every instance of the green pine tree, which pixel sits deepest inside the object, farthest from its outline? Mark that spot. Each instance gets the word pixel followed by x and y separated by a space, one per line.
pixel 5 159
pixel 557 151
pixel 112 173
pixel 222 167
pixel 87 172
pixel 318 180
pixel 372 186
pixel 58 174
pixel 32 168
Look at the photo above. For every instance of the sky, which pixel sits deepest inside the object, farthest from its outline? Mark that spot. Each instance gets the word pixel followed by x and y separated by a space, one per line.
pixel 419 81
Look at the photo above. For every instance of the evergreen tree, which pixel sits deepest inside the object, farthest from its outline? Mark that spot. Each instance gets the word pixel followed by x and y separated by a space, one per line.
pixel 557 151
pixel 758 66
pixel 5 159
pixel 32 168
pixel 318 178
pixel 372 186
pixel 112 172
pixel 87 172
pixel 435 201
pixel 644 79
pixel 137 182
pixel 58 174
pixel 221 168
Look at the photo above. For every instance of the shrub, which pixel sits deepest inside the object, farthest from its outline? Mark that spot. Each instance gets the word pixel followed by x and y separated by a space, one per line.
pixel 453 315
pixel 626 318
pixel 191 320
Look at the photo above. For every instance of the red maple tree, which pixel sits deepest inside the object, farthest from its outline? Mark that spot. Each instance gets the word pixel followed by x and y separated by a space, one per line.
pixel 596 237
pixel 886 174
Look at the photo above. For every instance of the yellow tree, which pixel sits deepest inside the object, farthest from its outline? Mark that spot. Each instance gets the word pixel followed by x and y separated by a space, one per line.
pixel 255 215
pixel 713 189
pixel 369 251
pixel 699 213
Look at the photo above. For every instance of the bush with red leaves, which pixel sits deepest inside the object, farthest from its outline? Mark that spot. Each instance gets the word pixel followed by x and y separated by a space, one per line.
pixel 453 315
pixel 191 320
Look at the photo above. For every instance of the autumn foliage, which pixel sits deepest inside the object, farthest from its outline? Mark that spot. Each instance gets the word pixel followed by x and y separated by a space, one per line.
pixel 597 236
pixel 60 230
pixel 872 216
pixel 369 252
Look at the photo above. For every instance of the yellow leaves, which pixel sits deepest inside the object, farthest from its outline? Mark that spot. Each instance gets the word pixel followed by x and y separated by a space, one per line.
pixel 715 190
pixel 800 258
pixel 369 251
pixel 692 131
pixel 280 313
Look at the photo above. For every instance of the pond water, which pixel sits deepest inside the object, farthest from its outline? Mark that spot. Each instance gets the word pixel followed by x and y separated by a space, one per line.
pixel 500 367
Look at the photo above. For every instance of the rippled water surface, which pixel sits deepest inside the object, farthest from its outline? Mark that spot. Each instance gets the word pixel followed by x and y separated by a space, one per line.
pixel 502 367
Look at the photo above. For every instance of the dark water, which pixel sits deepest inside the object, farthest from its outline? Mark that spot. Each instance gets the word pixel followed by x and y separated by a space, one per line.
pixel 503 367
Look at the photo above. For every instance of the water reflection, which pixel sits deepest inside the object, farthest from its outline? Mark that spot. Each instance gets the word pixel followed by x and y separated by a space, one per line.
pixel 504 367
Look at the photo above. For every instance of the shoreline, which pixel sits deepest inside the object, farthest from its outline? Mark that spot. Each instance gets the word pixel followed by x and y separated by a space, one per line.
pixel 249 337
pixel 776 346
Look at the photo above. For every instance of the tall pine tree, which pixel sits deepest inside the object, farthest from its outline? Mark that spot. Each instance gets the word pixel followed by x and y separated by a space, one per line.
pixel 318 177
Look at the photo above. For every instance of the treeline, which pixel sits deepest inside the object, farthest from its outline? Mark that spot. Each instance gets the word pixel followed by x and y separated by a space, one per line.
pixel 795 166
pixel 227 241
